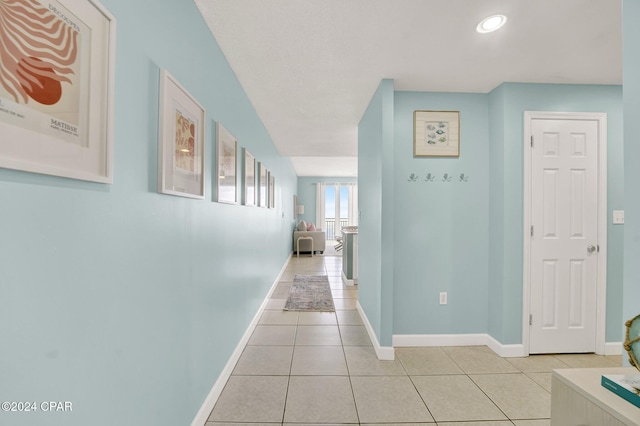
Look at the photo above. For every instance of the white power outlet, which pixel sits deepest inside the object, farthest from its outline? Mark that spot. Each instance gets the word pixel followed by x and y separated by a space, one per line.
pixel 443 297
pixel 618 217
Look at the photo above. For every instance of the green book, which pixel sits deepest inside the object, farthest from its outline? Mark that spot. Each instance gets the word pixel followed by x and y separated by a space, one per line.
pixel 626 386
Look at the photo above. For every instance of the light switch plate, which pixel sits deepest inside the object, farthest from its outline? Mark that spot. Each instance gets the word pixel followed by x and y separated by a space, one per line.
pixel 618 217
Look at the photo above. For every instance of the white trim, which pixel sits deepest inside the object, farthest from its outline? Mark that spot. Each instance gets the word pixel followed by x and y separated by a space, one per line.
pixel 346 280
pixel 430 340
pixel 480 339
pixel 601 286
pixel 385 353
pixel 613 348
pixel 506 351
pixel 210 401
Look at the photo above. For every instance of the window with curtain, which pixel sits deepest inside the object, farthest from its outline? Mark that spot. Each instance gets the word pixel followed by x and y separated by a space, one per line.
pixel 337 206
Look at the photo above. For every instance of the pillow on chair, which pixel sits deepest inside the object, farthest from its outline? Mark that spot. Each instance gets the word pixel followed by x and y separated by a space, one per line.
pixel 302 226
pixel 311 227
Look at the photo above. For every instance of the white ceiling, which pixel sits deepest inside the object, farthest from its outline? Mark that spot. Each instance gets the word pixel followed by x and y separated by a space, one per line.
pixel 310 67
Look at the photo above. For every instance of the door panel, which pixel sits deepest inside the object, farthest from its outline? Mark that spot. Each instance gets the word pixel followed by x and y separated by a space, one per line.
pixel 564 208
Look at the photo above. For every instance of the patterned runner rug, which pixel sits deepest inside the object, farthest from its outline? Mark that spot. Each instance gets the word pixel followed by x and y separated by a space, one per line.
pixel 310 293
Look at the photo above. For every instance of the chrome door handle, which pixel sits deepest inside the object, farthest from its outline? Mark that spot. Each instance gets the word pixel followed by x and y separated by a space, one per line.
pixel 591 249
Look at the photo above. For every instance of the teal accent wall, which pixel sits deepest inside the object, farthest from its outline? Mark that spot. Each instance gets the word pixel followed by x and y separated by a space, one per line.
pixel 307 193
pixel 126 302
pixel 513 99
pixel 631 96
pixel 375 202
pixel 441 232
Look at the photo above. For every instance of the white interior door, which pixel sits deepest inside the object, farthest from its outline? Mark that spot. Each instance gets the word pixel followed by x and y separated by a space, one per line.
pixel 563 243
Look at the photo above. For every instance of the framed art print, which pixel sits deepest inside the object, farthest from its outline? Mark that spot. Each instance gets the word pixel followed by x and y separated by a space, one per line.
pixel 57 88
pixel 249 179
pixel 263 185
pixel 181 142
pixel 272 191
pixel 226 166
pixel 436 133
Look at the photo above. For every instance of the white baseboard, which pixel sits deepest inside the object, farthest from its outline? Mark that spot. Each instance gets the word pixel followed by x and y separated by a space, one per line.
pixel 215 392
pixel 346 280
pixel 428 340
pixel 385 353
pixel 480 339
pixel 506 351
pixel 613 348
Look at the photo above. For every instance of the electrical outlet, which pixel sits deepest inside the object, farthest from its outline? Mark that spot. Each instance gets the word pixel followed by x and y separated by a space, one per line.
pixel 443 297
pixel 618 217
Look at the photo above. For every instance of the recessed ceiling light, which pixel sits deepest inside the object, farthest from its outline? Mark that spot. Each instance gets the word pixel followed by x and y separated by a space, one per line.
pixel 491 23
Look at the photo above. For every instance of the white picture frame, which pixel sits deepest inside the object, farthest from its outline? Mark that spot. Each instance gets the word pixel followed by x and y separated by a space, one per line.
pixel 263 185
pixel 249 179
pixel 63 125
pixel 272 191
pixel 181 140
pixel 226 166
pixel 436 133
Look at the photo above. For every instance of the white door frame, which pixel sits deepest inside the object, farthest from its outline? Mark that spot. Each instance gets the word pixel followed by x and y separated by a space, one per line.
pixel 601 284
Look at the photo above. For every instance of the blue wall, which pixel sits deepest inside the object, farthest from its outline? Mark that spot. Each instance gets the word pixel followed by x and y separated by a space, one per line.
pixel 465 236
pixel 123 301
pixel 631 95
pixel 441 232
pixel 375 202
pixel 497 303
pixel 514 99
pixel 307 194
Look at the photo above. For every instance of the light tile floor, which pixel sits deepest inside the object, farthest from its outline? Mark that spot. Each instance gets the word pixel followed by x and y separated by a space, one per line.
pixel 320 369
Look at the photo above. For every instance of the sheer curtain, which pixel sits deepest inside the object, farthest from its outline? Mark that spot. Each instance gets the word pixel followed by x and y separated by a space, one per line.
pixel 320 219
pixel 353 205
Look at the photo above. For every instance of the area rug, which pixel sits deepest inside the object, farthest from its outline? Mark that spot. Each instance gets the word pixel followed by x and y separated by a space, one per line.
pixel 310 293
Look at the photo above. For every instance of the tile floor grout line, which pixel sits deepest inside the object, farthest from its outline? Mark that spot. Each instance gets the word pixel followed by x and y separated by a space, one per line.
pixel 490 399
pixel 422 399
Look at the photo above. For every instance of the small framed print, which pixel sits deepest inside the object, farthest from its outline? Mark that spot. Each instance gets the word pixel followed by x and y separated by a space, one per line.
pixel 436 133
pixel 263 185
pixel 272 191
pixel 181 142
pixel 249 179
pixel 226 166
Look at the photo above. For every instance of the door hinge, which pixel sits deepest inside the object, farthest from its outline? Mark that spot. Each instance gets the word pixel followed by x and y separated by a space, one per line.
pixel 530 319
pixel 532 230
pixel 598 248
pixel 531 141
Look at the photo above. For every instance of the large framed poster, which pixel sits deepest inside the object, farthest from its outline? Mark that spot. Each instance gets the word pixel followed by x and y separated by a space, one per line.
pixel 56 88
